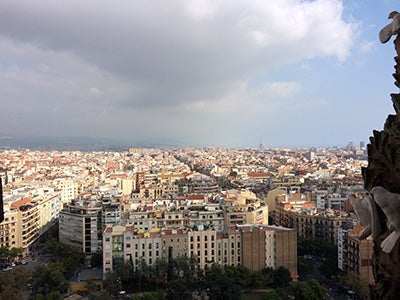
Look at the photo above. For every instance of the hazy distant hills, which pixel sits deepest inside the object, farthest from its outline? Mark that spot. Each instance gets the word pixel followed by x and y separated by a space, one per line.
pixel 77 143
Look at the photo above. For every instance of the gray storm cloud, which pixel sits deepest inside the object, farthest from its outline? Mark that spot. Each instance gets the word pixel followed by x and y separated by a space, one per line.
pixel 148 55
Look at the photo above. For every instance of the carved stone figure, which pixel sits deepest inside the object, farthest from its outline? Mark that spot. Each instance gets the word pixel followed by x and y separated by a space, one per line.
pixel 363 210
pixel 391 29
pixel 390 205
pixel 383 172
pixel 366 211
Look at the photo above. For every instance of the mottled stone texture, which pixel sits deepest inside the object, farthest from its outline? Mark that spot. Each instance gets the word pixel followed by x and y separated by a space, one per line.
pixel 384 170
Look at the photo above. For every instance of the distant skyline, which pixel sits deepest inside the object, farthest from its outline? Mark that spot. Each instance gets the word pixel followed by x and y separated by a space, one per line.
pixel 288 73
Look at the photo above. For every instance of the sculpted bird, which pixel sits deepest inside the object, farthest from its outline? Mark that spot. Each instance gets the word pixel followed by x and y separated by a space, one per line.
pixel 362 209
pixel 390 205
pixel 392 28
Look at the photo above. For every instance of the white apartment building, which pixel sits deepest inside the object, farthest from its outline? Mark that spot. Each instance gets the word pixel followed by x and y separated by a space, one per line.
pixel 68 189
pixel 122 243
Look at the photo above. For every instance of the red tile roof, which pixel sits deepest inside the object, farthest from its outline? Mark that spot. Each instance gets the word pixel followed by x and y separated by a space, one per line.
pixel 21 202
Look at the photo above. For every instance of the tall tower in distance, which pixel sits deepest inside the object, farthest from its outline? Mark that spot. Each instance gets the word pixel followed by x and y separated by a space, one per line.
pixel 261 145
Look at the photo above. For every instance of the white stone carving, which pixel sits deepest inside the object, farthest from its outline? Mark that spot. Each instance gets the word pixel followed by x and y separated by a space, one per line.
pixel 390 205
pixel 363 210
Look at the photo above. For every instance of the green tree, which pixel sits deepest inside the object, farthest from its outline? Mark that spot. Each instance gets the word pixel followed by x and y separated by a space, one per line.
pixel 220 286
pixel 56 295
pixel 112 283
pixel 258 280
pixel 302 291
pixel 354 281
pixel 124 271
pixel 269 275
pixel 96 261
pixel 304 267
pixel 14 280
pixel 16 252
pixel 307 290
pixel 177 290
pixel 10 292
pixel 4 255
pixel 69 256
pixel 48 279
pixel 318 289
pixel 282 278
pixel 271 295
pixel 239 274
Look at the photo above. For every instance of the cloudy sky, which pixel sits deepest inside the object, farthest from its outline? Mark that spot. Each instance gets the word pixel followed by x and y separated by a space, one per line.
pixel 200 73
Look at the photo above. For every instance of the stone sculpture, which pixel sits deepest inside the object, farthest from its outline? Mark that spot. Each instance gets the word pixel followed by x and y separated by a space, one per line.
pixel 366 209
pixel 390 205
pixel 362 208
pixel 391 29
pixel 382 180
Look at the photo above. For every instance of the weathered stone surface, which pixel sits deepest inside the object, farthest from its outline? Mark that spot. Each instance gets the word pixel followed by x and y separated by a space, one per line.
pixel 384 170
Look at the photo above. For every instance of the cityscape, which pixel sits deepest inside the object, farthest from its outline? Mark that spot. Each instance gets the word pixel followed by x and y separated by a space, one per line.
pixel 254 208
pixel 196 149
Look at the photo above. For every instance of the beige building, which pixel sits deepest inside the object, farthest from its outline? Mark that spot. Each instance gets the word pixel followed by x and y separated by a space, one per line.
pixel 122 243
pixel 229 248
pixel 309 223
pixel 254 246
pixel 269 246
pixel 27 225
pixel 202 244
pixel 359 255
pixel 10 236
pixel 271 196
pixel 177 240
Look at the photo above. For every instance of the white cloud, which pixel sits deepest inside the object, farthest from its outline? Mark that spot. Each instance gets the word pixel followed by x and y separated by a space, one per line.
pixel 368 46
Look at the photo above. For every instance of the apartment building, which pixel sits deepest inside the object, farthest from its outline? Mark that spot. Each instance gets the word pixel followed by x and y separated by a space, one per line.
pixel 48 210
pixel 229 248
pixel 359 255
pixel 27 225
pixel 202 244
pixel 310 223
pixel 269 246
pixel 177 240
pixel 10 236
pixel 254 246
pixel 122 243
pixel 355 255
pixel 80 225
pixel 288 183
pixel 68 189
